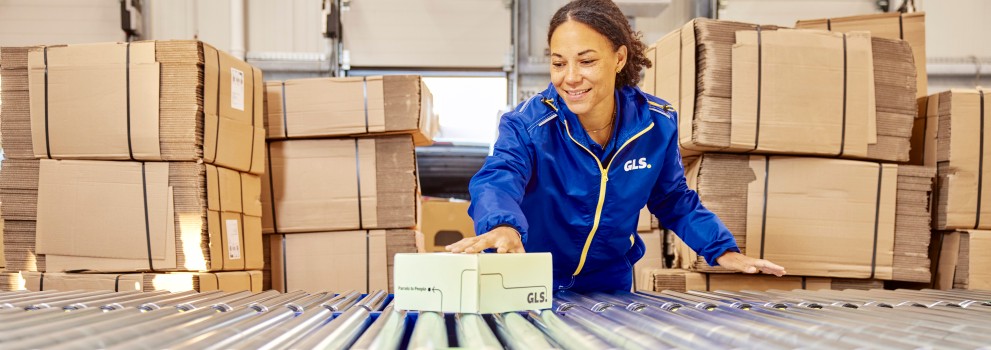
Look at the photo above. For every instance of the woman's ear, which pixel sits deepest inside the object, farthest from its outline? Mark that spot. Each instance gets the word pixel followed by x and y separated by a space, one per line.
pixel 621 55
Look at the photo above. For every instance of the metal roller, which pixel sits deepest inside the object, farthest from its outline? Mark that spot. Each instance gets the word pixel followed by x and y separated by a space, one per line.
pixel 58 317
pixel 564 335
pixel 671 334
pixel 292 330
pixel 176 335
pixel 384 333
pixel 344 329
pixel 772 319
pixel 430 332
pixel 613 332
pixel 179 298
pixel 228 337
pixel 517 333
pixel 474 333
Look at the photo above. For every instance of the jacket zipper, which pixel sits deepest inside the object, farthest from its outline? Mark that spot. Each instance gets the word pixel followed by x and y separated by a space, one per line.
pixel 604 171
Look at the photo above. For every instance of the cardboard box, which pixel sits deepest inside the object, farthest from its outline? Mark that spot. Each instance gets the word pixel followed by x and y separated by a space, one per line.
pixel 112 216
pixel 3 259
pixel 174 282
pixel 910 27
pixel 682 280
pixel 322 107
pixel 19 171
pixel 15 110
pixel 953 140
pixel 343 261
pixel 647 222
pixel 19 203
pixel 649 82
pixel 796 92
pixel 817 216
pixel 340 184
pixel 149 101
pixel 653 258
pixel 964 260
pixel 10 281
pixel 473 283
pixel 445 222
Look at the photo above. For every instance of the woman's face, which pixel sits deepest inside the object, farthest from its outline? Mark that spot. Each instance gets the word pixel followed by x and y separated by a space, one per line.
pixel 584 67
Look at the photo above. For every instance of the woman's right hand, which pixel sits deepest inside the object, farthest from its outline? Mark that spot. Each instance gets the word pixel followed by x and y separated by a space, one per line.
pixel 504 239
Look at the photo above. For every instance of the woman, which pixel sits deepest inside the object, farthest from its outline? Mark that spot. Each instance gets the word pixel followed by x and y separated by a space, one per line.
pixel 574 164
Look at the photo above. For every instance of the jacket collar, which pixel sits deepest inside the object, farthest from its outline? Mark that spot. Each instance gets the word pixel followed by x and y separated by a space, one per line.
pixel 633 114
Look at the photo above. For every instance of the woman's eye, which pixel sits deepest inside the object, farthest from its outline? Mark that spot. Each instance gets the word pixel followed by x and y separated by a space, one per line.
pixel 558 64
pixel 587 62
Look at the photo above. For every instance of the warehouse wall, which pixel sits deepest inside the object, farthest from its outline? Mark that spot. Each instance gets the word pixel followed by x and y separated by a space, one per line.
pixel 29 22
pixel 428 33
pixel 209 21
pixel 285 27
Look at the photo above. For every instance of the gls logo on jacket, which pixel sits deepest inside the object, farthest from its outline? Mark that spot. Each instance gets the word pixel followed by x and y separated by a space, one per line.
pixel 634 164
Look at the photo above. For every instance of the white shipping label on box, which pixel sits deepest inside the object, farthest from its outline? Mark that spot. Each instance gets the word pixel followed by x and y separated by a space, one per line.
pixel 233 240
pixel 473 283
pixel 237 89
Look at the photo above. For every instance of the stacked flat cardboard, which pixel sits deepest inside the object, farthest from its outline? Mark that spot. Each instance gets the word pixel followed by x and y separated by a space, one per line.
pixel 817 216
pixel 267 268
pixel 344 260
pixel 18 203
pixel 177 101
pixel 647 222
pixel 235 281
pixel 340 184
pixel 19 189
pixel 964 260
pixel 3 259
pixel 653 258
pixel 19 171
pixel 910 27
pixel 741 87
pixel 954 137
pixel 913 219
pixel 15 108
pixel 160 216
pixel 445 222
pixel 19 247
pixel 10 280
pixel 150 101
pixel 333 200
pixel 334 107
pixel 682 280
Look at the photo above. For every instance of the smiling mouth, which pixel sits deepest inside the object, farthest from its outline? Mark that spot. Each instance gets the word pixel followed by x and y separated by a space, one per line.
pixel 577 93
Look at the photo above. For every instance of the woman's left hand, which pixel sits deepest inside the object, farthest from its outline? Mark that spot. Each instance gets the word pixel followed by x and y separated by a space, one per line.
pixel 739 262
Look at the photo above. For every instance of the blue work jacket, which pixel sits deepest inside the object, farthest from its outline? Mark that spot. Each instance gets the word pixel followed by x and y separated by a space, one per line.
pixel 544 180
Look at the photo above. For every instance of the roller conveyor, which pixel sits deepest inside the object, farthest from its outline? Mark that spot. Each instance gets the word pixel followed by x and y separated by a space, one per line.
pixel 773 319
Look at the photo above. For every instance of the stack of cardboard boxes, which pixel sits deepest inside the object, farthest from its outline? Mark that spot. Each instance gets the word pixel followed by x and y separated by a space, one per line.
pixel 681 280
pixel 948 135
pixel 341 194
pixel 955 130
pixel 795 139
pixel 19 172
pixel 137 159
pixel 654 240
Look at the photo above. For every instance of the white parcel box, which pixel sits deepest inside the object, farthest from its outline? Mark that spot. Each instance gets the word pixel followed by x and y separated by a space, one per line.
pixel 473 283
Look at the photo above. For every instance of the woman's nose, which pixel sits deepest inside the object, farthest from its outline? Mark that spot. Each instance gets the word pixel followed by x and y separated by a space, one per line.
pixel 572 75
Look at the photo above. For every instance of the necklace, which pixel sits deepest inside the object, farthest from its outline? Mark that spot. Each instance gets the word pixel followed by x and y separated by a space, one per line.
pixel 609 124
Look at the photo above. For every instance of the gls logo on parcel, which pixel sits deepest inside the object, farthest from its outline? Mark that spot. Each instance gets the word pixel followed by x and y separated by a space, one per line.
pixel 533 298
pixel 634 164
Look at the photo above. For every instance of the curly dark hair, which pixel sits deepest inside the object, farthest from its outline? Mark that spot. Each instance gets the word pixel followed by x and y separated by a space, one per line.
pixel 606 18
